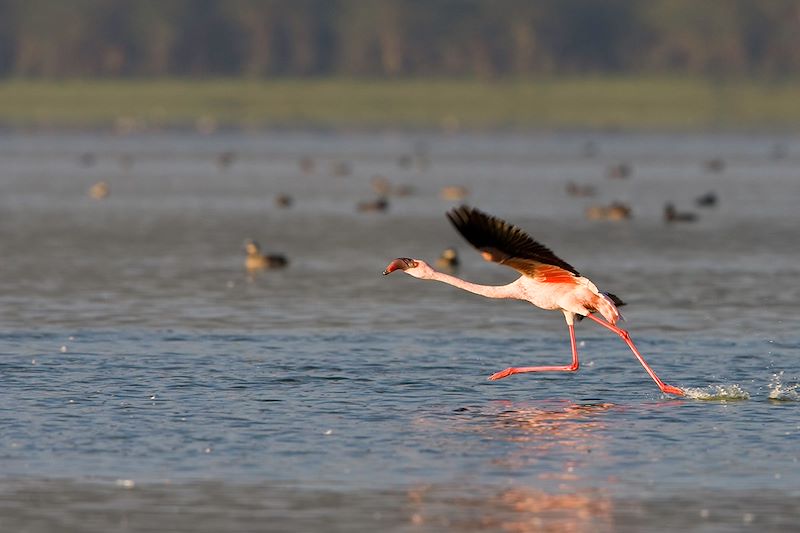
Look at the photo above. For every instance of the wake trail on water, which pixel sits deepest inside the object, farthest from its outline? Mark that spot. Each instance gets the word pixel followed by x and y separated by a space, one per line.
pixel 777 391
pixel 723 392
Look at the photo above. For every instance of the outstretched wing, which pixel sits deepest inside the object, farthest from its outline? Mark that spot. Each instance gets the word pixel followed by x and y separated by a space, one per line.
pixel 506 244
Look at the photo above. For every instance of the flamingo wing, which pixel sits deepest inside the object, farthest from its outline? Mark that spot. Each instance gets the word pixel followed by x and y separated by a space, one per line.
pixel 506 244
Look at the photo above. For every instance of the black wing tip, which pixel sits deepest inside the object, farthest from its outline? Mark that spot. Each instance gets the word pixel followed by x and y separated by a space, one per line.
pixel 460 217
pixel 463 208
pixel 460 214
pixel 484 230
pixel 465 215
pixel 616 299
pixel 472 224
pixel 465 211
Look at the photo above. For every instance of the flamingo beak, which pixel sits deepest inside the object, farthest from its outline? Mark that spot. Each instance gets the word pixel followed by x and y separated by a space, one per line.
pixel 401 263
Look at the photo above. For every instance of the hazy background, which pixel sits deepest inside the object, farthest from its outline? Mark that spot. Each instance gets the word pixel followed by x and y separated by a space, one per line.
pixel 444 64
pixel 438 38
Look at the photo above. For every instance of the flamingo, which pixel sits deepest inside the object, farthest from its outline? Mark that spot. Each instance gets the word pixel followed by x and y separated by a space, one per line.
pixel 547 282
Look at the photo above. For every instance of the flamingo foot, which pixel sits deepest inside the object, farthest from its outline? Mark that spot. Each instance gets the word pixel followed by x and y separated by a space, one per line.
pixel 503 374
pixel 669 389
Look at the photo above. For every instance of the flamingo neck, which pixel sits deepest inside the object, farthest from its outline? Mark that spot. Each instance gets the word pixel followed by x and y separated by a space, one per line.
pixel 489 291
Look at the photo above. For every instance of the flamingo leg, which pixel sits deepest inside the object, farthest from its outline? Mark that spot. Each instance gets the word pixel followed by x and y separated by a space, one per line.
pixel 522 369
pixel 669 389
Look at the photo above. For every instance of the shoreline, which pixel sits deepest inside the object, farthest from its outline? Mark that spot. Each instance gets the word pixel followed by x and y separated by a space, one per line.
pixel 592 104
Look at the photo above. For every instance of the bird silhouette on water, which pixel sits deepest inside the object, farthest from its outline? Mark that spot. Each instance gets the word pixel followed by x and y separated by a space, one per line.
pixel 671 214
pixel 255 260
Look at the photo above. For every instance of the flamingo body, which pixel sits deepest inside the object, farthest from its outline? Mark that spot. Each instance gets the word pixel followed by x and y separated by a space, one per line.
pixel 547 281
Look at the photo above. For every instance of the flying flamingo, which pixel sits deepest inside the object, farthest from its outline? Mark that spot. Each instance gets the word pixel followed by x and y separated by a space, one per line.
pixel 547 282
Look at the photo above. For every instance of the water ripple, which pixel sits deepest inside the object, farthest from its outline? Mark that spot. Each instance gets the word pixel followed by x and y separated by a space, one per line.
pixel 782 392
pixel 718 392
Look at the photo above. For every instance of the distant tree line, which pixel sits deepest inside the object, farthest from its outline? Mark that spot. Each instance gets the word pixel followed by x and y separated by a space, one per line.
pixel 402 38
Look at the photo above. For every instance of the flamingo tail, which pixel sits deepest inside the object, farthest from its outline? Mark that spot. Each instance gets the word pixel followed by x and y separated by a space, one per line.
pixel 606 304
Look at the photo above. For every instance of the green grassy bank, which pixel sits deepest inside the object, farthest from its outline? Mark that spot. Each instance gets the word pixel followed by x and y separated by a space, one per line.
pixel 627 103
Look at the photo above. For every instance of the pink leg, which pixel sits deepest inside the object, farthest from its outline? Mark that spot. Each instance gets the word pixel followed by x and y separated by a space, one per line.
pixel 669 389
pixel 520 370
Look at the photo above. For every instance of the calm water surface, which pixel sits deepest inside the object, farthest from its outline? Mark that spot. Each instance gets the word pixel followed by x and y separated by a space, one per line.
pixel 149 383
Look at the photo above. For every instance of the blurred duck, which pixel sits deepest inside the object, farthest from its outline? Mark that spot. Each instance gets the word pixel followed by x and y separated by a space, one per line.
pixel 381 184
pixel 619 171
pixel 306 164
pixel 225 159
pixel 672 215
pixel 383 187
pixel 448 262
pixel 125 161
pixel 420 160
pixel 716 164
pixel 341 169
pixel 405 161
pixel 87 159
pixel 454 192
pixel 99 190
pixel 257 261
pixel 708 199
pixel 378 205
pixel 614 211
pixel 402 190
pixel 283 200
pixel 582 191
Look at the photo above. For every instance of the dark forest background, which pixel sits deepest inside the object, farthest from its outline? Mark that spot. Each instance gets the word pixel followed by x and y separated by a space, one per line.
pixel 398 38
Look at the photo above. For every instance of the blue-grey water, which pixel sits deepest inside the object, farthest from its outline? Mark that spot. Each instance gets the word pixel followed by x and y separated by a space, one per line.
pixel 149 383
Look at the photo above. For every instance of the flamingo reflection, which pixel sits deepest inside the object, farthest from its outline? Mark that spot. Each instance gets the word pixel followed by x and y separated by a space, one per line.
pixel 555 441
pixel 553 429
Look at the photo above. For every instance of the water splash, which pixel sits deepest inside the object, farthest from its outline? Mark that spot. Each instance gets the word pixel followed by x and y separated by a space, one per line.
pixel 783 393
pixel 724 392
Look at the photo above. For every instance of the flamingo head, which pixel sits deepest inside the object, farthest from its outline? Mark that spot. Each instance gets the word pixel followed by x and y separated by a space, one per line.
pixel 401 263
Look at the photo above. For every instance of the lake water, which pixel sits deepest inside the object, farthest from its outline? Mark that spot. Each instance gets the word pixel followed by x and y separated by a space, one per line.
pixel 150 384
